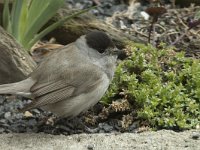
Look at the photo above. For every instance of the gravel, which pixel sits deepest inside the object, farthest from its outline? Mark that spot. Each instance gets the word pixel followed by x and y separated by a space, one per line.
pixel 107 8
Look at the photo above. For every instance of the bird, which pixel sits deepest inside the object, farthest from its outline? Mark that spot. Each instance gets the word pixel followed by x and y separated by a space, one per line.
pixel 71 79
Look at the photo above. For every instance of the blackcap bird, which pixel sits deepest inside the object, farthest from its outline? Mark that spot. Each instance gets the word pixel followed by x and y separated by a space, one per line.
pixel 72 79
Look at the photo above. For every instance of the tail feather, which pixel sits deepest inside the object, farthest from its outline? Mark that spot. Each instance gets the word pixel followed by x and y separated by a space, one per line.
pixel 18 88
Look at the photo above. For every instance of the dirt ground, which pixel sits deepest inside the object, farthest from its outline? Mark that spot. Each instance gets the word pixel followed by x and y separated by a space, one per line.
pixel 160 140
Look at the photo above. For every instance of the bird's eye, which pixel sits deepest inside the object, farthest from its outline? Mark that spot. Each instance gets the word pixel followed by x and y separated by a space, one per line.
pixel 101 50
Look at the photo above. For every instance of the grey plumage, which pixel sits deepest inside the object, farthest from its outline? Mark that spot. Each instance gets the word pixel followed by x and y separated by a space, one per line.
pixel 71 79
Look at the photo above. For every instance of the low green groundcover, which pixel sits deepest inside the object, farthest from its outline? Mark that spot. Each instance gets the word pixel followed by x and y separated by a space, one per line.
pixel 163 85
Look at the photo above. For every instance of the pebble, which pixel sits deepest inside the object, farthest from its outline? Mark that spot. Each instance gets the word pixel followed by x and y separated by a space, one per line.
pixel 28 114
pixel 196 136
pixel 3 121
pixel 2 99
pixel 90 147
pixel 107 128
pixel 2 130
pixel 7 115
pixel 32 122
pixel 1 113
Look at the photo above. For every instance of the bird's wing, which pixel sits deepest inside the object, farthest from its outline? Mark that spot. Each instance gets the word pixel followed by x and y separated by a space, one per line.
pixel 72 81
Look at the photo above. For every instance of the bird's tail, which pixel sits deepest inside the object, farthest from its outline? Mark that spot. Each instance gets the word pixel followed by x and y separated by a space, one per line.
pixel 18 88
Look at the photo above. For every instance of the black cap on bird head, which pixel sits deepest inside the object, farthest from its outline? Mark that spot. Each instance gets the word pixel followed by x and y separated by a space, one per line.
pixel 99 40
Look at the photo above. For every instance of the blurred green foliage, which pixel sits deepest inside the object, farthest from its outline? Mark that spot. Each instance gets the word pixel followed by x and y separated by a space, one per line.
pixel 197 15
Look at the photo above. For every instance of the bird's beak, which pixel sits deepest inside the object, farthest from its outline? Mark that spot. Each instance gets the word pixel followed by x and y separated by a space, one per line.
pixel 116 51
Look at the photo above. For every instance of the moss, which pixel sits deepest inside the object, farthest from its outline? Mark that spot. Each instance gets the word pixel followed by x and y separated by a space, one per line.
pixel 161 84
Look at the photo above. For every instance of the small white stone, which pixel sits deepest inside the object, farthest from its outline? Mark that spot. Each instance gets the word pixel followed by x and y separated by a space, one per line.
pixel 145 15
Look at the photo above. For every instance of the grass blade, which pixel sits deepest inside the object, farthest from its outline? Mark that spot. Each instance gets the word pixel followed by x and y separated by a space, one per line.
pixel 23 20
pixel 15 15
pixel 6 15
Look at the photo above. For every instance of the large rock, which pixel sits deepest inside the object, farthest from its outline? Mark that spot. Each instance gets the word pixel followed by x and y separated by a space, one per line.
pixel 15 62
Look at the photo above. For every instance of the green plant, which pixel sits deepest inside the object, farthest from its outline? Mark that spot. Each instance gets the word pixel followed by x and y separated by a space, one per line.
pixel 162 85
pixel 197 15
pixel 27 17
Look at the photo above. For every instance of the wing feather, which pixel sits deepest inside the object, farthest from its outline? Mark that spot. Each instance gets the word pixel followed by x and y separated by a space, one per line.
pixel 61 88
